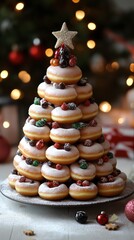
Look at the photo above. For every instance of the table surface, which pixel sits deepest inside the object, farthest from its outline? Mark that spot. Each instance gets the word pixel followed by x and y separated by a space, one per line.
pixel 58 223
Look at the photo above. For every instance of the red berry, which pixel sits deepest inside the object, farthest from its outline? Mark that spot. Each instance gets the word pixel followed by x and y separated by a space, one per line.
pixel 49 184
pixel 102 218
pixel 87 103
pixel 64 106
pixel 85 183
pixel 57 145
pixel 105 158
pixel 79 182
pixel 40 144
pixel 72 61
pixel 58 166
pixel 55 125
pixel 55 183
pixel 56 54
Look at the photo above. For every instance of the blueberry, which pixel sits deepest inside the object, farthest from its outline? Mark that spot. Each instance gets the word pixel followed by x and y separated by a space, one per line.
pixel 81 217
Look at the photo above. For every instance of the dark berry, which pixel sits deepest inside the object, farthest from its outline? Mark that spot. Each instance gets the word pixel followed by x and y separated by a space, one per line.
pixel 83 164
pixel 71 106
pixel 67 146
pixel 81 217
pixel 15 172
pixel 29 161
pixel 88 143
pixel 101 139
pixel 103 180
pixel 82 82
pixel 63 63
pixel 93 123
pixel 92 100
pixel 32 143
pixel 110 155
pixel 44 103
pixel 22 179
pixel 62 85
pixel 46 79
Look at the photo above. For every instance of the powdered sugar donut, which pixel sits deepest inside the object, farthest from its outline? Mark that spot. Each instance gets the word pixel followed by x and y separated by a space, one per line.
pixel 89 150
pixel 42 87
pixel 63 115
pixel 13 177
pixel 59 93
pixel 55 172
pixel 17 159
pixel 53 191
pixel 92 131
pixel 118 173
pixel 89 110
pixel 36 129
pixel 111 159
pixel 80 192
pixel 110 188
pixel 103 168
pixel 82 170
pixel 84 91
pixel 27 187
pixel 30 169
pixel 106 146
pixel 32 149
pixel 61 155
pixel 68 75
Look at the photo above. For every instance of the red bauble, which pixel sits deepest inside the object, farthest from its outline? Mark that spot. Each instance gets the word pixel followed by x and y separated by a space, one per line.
pixel 36 52
pixel 4 149
pixel 16 57
pixel 129 210
pixel 102 218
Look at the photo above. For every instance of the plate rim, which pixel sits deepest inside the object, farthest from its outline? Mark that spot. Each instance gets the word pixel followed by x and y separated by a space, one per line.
pixel 11 194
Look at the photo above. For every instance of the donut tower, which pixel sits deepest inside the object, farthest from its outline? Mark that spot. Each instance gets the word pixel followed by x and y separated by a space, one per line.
pixel 63 153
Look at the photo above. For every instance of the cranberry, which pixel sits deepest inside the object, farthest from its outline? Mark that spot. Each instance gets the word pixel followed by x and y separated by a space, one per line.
pixel 40 144
pixel 79 182
pixel 93 123
pixel 49 184
pixel 105 158
pixel 58 166
pixel 57 54
pixel 88 143
pixel 57 145
pixel 55 125
pixel 72 61
pixel 87 103
pixel 55 183
pixel 85 183
pixel 64 106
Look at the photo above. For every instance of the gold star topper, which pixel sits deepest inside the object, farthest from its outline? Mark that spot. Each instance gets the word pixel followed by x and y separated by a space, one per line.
pixel 64 36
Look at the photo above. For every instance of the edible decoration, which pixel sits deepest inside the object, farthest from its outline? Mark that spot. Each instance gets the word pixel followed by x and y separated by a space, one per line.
pixel 81 217
pixel 40 123
pixel 102 218
pixel 129 210
pixel 83 164
pixel 111 226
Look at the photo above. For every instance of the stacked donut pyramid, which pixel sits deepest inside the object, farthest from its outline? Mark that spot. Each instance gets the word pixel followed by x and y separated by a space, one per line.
pixel 63 153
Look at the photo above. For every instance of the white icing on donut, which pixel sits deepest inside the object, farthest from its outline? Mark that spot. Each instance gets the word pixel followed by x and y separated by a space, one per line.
pixel 93 149
pixel 35 132
pixel 113 161
pixel 27 184
pixel 65 135
pixel 106 146
pixel 17 159
pixel 37 112
pixel 50 171
pixel 61 153
pixel 89 111
pixel 41 89
pixel 89 171
pixel 90 132
pixel 14 177
pixel 43 188
pixel 118 181
pixel 76 187
pixel 29 168
pixel 104 169
pixel 71 116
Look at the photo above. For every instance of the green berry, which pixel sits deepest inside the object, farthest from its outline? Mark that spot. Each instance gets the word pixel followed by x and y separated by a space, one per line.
pixel 41 123
pixel 84 165
pixel 37 101
pixel 35 163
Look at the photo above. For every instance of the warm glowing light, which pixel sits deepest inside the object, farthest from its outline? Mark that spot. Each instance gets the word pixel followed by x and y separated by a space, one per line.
pixel 91 44
pixel 4 74
pixel 105 106
pixel 130 81
pixel 36 41
pixel 115 65
pixel 6 124
pixel 49 52
pixel 75 1
pixel 80 14
pixel 15 94
pixel 121 120
pixel 91 26
pixel 24 76
pixel 131 67
pixel 19 6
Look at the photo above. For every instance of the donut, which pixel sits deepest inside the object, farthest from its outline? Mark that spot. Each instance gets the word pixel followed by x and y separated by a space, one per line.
pixel 67 113
pixel 92 131
pixel 32 149
pixel 111 159
pixel 89 110
pixel 59 93
pixel 117 172
pixel 40 110
pixel 30 169
pixel 90 150
pixel 17 159
pixel 68 75
pixel 35 130
pixel 84 92
pixel 53 191
pixel 55 172
pixel 62 155
pixel 82 170
pixel 42 87
pixel 13 177
pixel 110 187
pixel 84 191
pixel 106 146
pixel 27 187
pixel 103 168
pixel 64 135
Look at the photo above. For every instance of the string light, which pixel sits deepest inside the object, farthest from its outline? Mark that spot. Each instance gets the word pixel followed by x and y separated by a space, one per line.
pixel 91 26
pixel 4 74
pixel 75 1
pixel 105 106
pixel 36 41
pixel 121 120
pixel 19 6
pixel 131 67
pixel 115 65
pixel 16 94
pixel 6 124
pixel 130 81
pixel 49 52
pixel 80 14
pixel 91 44
pixel 24 76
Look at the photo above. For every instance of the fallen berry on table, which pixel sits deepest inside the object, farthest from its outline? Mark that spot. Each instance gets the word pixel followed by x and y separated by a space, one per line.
pixel 81 217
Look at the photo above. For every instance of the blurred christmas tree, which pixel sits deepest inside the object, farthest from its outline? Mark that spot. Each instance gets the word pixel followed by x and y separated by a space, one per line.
pixel 104 45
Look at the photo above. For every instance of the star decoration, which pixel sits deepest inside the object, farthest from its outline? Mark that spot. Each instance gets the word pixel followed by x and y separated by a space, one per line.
pixel 64 36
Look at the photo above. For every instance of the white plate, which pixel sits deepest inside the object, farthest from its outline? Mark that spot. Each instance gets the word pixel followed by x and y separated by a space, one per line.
pixel 10 193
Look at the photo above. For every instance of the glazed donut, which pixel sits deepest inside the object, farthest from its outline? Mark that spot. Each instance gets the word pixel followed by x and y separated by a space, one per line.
pixel 35 130
pixel 84 92
pixel 13 177
pixel 66 155
pixel 82 170
pixel 59 93
pixel 103 168
pixel 42 87
pixel 89 150
pixel 55 172
pixel 92 131
pixel 30 169
pixel 27 187
pixel 17 159
pixel 80 192
pixel 53 191
pixel 66 116
pixel 32 149
pixel 38 111
pixel 111 188
pixel 64 135
pixel 68 75
pixel 89 110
